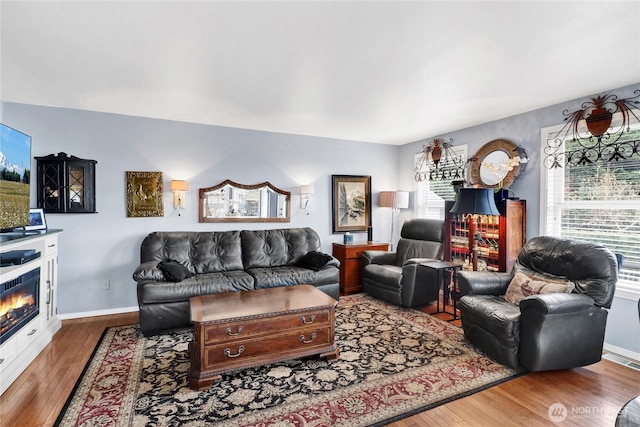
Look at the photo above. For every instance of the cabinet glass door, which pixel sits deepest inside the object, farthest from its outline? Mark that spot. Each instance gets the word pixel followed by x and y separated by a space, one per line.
pixel 52 178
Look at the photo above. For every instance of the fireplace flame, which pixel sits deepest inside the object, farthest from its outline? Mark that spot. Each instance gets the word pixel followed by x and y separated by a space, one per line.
pixel 14 301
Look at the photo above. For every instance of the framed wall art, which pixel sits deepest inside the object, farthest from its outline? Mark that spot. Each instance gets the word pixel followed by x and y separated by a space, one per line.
pixel 144 194
pixel 351 203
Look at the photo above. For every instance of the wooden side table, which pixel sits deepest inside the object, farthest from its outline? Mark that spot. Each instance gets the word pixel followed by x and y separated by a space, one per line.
pixel 350 267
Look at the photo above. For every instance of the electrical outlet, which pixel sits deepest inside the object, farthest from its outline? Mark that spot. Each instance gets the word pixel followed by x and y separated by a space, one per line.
pixel 106 285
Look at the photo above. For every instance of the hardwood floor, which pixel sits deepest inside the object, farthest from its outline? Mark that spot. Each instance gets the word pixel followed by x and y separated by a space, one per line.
pixel 593 395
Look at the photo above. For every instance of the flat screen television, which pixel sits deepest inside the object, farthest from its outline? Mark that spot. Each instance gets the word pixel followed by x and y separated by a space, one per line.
pixel 15 178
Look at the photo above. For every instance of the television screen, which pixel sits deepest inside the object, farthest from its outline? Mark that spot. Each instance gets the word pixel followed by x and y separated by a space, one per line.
pixel 15 177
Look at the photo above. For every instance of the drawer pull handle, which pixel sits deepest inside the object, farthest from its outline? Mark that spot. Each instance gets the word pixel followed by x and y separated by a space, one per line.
pixel 311 319
pixel 313 337
pixel 33 331
pixel 228 330
pixel 1 360
pixel 227 351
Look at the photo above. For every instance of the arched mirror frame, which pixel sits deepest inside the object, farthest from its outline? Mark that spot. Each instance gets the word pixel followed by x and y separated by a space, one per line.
pixel 475 166
pixel 203 192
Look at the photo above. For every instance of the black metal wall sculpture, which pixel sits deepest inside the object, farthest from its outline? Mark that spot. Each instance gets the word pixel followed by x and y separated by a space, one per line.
pixel 439 162
pixel 596 132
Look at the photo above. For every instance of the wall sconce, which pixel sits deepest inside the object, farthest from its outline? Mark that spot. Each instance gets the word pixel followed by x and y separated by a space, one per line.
pixel 395 200
pixel 179 189
pixel 305 192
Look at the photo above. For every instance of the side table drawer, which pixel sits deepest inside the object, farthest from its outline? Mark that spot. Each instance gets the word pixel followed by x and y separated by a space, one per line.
pixel 242 329
pixel 354 252
pixel 241 352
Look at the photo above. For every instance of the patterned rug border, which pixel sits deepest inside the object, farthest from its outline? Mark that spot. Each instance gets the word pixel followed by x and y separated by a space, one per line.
pixel 65 407
pixel 351 299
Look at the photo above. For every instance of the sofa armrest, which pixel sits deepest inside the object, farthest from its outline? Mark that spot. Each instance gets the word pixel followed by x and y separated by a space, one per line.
pixel 483 282
pixel 148 271
pixel 557 303
pixel 377 257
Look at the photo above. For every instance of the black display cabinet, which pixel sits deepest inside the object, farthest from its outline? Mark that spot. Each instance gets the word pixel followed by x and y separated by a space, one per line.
pixel 66 184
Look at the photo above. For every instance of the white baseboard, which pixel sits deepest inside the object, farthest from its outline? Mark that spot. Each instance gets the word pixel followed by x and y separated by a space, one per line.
pixel 67 316
pixel 622 352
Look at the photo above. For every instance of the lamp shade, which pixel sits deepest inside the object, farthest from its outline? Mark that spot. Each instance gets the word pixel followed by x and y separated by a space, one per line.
pixel 307 189
pixel 179 185
pixel 394 199
pixel 475 201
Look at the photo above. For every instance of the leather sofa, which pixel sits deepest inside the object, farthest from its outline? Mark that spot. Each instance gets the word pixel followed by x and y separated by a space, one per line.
pixel 543 331
pixel 224 261
pixel 397 277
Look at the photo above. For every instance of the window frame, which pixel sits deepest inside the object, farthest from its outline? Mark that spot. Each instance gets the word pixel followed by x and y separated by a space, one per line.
pixel 628 289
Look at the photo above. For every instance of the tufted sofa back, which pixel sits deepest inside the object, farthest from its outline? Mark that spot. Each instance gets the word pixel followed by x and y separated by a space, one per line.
pixel 214 251
pixel 273 248
pixel 200 252
pixel 592 267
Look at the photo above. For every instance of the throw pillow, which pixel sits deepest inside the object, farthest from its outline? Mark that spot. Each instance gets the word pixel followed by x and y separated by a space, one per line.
pixel 314 260
pixel 523 285
pixel 174 271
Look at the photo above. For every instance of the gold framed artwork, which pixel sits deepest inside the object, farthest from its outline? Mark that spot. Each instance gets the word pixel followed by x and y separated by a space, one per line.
pixel 144 194
pixel 351 200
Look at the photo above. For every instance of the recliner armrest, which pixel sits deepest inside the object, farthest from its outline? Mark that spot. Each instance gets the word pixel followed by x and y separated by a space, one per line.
pixel 557 303
pixel 419 261
pixel 377 257
pixel 483 282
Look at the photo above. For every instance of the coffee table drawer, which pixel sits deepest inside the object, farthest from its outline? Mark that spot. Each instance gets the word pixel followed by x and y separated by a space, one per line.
pixel 241 329
pixel 237 353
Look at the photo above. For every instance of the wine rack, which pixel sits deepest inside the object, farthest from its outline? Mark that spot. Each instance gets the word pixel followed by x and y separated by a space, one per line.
pixel 498 239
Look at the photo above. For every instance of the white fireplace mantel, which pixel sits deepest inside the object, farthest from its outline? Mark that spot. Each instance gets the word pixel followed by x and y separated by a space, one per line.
pixel 21 348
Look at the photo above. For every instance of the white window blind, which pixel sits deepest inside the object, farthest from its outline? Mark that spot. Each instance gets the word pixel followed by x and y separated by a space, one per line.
pixel 430 195
pixel 597 202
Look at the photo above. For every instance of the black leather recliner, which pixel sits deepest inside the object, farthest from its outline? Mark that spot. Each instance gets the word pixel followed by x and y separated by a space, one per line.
pixel 545 331
pixel 397 277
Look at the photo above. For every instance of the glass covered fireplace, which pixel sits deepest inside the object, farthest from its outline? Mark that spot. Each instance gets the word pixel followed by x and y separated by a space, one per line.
pixel 18 302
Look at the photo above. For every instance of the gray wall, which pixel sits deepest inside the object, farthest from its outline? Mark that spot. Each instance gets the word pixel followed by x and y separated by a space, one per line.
pixel 95 248
pixel 623 328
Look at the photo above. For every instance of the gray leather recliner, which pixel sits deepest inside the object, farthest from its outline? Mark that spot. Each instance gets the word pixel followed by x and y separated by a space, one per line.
pixel 545 331
pixel 397 277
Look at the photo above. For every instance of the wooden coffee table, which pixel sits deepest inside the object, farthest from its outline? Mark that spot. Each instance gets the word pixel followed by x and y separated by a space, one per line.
pixel 237 330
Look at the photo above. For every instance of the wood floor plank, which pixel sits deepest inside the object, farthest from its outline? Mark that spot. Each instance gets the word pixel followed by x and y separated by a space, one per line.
pixel 38 395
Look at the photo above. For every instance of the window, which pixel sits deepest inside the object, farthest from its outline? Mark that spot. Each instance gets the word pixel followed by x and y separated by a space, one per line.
pixel 430 195
pixel 597 202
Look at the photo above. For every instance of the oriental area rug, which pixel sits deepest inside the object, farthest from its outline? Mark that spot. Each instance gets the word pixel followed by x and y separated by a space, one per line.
pixel 393 363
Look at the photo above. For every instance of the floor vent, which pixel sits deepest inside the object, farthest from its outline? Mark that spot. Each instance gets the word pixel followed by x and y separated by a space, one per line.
pixel 630 363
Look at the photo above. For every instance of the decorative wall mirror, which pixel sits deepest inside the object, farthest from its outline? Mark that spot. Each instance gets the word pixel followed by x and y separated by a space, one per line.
pixel 233 202
pixel 497 164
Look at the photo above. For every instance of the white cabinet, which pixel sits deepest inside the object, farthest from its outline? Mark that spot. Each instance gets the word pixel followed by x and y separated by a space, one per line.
pixel 20 349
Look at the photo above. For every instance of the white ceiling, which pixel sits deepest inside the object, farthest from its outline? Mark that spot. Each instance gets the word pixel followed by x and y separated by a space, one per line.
pixel 389 72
